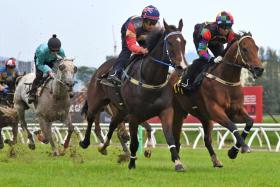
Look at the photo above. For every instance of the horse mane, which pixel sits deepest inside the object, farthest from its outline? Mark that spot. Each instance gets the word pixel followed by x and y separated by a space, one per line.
pixel 237 36
pixel 154 36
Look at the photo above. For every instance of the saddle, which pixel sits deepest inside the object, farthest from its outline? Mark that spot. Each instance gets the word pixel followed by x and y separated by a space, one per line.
pixel 117 87
pixel 40 88
pixel 196 76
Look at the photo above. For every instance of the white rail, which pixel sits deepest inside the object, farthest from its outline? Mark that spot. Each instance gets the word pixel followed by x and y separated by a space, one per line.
pixel 258 130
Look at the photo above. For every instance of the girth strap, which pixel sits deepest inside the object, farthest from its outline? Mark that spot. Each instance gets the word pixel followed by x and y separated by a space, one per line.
pixel 213 77
pixel 148 86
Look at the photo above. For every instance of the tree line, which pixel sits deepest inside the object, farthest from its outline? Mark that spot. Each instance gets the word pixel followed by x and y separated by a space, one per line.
pixel 269 80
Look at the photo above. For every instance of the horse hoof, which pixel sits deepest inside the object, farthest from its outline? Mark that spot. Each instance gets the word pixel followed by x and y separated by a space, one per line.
pixel 55 153
pixel 148 153
pixel 245 149
pixel 31 146
pixel 12 153
pixel 218 164
pixel 123 158
pixel 102 151
pixel 83 145
pixel 131 166
pixel 179 168
pixel 232 153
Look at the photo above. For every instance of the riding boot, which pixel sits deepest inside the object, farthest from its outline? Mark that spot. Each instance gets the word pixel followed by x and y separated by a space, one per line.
pixel 115 76
pixel 33 90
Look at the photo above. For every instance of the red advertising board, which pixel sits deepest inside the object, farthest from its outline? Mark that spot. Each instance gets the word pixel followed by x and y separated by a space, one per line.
pixel 253 102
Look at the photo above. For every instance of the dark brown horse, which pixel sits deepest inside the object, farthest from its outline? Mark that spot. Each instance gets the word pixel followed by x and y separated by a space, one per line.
pixel 220 96
pixel 145 91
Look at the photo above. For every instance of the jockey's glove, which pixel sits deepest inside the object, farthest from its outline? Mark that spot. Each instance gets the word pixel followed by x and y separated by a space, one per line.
pixel 51 74
pixel 216 60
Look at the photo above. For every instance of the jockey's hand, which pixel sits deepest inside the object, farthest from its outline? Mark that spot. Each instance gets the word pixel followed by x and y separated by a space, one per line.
pixel 144 51
pixel 216 60
pixel 51 74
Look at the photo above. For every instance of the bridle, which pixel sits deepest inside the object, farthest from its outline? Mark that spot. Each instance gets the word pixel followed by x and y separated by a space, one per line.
pixel 165 50
pixel 243 65
pixel 239 53
pixel 168 63
pixel 70 87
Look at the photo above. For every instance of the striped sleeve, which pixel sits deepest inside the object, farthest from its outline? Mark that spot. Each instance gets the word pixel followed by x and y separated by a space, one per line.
pixel 131 39
pixel 203 44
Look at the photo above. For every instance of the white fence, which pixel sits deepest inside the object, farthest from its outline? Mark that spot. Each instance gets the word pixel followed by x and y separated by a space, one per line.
pixel 258 132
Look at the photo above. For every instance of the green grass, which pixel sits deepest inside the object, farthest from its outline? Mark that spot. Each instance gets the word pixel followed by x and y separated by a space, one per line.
pixel 89 168
pixel 268 119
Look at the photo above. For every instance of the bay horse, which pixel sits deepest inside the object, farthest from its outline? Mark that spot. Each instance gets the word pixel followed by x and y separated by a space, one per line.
pixel 219 97
pixel 53 103
pixel 145 90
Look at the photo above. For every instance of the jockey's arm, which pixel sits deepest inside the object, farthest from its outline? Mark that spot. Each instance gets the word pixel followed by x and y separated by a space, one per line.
pixel 131 40
pixel 40 64
pixel 203 44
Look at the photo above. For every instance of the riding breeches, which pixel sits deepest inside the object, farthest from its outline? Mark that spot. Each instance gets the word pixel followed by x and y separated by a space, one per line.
pixel 197 67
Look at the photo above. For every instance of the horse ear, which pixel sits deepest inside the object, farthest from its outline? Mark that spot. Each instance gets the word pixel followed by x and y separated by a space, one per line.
pixel 166 26
pixel 75 69
pixel 180 25
pixel 61 67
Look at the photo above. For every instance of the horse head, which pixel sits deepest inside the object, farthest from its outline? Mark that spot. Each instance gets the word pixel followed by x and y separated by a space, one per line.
pixel 174 46
pixel 66 71
pixel 245 52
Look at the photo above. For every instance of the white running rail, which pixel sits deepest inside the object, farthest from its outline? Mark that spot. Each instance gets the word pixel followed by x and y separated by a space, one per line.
pixel 258 132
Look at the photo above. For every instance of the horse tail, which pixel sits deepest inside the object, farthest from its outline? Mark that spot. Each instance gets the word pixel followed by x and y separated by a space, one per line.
pixel 84 109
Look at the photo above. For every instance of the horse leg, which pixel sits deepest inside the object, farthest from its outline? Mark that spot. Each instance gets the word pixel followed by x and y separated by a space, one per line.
pixel 133 130
pixel 208 127
pixel 148 149
pixel 166 117
pixel 21 115
pixel 1 140
pixel 113 125
pixel 123 138
pixel 241 118
pixel 220 116
pixel 177 127
pixel 92 110
pixel 47 131
pixel 15 133
pixel 68 123
pixel 97 128
pixel 86 142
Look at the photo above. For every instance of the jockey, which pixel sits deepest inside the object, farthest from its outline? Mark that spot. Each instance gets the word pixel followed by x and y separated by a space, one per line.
pixel 134 31
pixel 45 57
pixel 8 75
pixel 213 36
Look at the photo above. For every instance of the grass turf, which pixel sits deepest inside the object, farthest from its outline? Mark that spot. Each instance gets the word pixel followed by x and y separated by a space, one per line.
pixel 89 168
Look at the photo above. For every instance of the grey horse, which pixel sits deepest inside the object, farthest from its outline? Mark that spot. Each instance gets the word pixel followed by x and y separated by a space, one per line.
pixel 53 103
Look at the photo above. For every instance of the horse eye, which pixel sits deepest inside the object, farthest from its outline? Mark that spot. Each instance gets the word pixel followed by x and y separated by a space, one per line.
pixel 245 50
